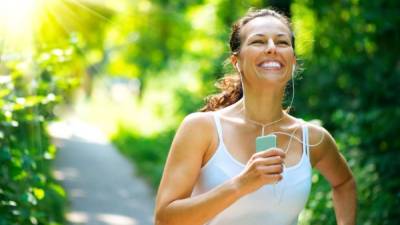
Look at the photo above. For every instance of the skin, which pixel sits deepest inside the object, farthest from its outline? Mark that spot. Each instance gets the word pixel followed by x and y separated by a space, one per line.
pixel 263 39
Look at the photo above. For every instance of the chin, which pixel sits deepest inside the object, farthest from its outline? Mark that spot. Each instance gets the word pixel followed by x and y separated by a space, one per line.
pixel 272 75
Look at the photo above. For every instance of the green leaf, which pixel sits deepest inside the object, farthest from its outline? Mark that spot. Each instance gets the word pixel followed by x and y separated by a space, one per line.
pixel 39 193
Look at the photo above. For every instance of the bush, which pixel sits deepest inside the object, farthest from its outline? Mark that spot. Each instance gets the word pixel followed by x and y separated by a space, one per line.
pixel 148 153
pixel 349 83
pixel 28 192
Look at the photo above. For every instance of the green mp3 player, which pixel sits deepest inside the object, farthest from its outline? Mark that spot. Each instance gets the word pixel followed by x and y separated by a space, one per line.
pixel 265 142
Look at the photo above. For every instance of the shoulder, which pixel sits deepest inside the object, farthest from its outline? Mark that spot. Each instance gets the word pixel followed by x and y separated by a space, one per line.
pixel 320 141
pixel 198 122
pixel 196 129
pixel 193 139
pixel 318 135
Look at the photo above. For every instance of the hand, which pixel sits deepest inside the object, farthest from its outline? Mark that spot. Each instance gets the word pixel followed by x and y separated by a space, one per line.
pixel 263 168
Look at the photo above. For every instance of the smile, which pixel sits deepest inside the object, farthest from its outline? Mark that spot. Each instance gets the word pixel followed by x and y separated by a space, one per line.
pixel 270 65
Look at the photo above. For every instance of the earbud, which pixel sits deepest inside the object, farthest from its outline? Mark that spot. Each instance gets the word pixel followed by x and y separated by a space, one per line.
pixel 293 69
pixel 237 66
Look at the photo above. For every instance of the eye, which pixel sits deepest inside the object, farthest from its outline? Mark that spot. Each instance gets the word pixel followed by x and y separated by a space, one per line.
pixel 281 42
pixel 257 42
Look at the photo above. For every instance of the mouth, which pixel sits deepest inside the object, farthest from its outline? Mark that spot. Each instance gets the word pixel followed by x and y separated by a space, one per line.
pixel 271 65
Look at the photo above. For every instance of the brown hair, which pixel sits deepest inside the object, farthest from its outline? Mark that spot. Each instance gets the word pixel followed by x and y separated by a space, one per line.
pixel 230 85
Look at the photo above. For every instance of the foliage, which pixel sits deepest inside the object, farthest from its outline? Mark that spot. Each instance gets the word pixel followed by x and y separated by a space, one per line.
pixel 354 61
pixel 45 53
pixel 150 150
pixel 28 193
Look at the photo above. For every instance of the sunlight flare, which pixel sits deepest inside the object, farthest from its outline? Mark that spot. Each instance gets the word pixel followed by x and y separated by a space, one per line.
pixel 16 24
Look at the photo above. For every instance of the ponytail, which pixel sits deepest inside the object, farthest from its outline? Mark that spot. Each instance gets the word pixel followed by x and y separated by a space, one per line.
pixel 230 92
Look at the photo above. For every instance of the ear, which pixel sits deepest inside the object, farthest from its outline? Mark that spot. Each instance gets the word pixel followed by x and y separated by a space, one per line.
pixel 235 61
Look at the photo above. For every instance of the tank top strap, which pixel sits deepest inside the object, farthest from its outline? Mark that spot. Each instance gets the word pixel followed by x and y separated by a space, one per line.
pixel 306 147
pixel 217 120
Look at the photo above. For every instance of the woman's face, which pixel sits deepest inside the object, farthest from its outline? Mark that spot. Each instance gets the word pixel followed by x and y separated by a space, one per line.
pixel 266 51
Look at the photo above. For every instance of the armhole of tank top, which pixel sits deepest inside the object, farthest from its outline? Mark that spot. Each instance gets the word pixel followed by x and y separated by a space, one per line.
pixel 218 127
pixel 217 121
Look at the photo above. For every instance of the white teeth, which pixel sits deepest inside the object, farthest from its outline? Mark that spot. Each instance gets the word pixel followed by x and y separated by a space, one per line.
pixel 271 65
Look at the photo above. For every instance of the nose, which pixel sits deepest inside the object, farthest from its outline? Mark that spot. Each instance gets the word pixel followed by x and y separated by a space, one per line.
pixel 271 48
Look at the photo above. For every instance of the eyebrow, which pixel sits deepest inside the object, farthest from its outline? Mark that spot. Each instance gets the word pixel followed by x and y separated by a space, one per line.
pixel 262 35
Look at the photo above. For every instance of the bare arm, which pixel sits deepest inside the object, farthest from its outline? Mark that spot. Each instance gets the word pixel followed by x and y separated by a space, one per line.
pixel 334 168
pixel 174 205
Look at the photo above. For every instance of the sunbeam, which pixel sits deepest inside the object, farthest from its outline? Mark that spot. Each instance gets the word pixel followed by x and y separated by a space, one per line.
pixel 16 24
pixel 25 24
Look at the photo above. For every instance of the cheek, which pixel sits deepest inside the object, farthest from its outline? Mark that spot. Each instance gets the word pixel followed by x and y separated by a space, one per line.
pixel 289 54
pixel 250 54
pixel 289 58
pixel 247 57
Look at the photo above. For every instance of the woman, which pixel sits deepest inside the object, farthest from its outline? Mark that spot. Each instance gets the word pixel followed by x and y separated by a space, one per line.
pixel 213 175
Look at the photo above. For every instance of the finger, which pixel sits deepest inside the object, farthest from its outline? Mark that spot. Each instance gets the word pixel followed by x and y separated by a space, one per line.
pixel 271 152
pixel 266 161
pixel 273 178
pixel 273 169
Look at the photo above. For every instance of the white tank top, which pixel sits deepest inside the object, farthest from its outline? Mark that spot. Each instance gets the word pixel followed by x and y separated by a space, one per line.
pixel 278 204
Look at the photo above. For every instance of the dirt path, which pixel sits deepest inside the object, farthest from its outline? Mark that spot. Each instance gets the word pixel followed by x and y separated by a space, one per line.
pixel 100 183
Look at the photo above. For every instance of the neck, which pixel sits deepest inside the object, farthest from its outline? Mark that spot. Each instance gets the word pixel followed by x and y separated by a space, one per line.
pixel 263 107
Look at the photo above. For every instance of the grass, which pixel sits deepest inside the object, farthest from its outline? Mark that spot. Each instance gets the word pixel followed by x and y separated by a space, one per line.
pixel 147 153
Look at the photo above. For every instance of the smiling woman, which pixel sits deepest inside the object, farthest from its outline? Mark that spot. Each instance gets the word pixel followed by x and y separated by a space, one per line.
pixel 216 174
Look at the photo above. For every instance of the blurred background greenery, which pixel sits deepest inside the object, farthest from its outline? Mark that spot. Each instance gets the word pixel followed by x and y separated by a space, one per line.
pixel 135 68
